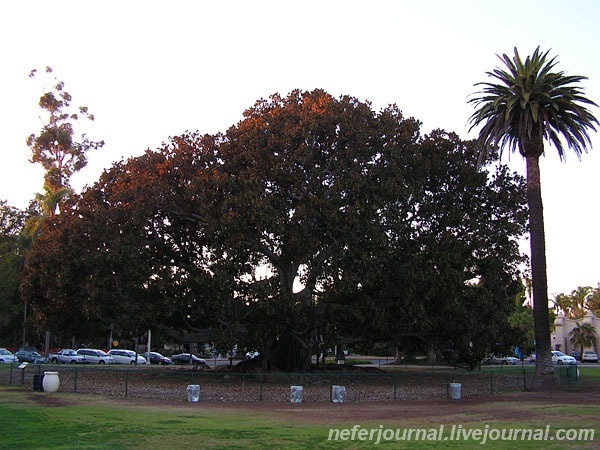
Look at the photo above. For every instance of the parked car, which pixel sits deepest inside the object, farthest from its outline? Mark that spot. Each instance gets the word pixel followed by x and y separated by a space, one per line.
pixel 29 355
pixel 575 354
pixel 157 358
pixel 66 356
pixel 6 357
pixel 560 358
pixel 126 357
pixel 186 358
pixel 503 360
pixel 589 356
pixel 252 354
pixel 512 360
pixel 93 356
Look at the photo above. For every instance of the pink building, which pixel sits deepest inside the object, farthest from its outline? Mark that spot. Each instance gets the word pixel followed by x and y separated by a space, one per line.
pixel 562 330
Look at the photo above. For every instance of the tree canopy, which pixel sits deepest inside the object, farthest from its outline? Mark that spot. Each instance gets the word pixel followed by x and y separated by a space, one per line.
pixel 313 216
pixel 11 263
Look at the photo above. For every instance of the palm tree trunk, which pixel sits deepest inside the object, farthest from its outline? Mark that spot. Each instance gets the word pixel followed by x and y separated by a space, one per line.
pixel 544 371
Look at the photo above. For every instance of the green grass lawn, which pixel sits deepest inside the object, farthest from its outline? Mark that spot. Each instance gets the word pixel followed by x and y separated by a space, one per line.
pixel 82 427
pixel 26 426
pixel 590 373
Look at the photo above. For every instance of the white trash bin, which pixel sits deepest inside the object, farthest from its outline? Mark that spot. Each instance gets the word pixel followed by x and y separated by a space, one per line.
pixel 193 393
pixel 338 394
pixel 455 391
pixel 296 394
pixel 50 382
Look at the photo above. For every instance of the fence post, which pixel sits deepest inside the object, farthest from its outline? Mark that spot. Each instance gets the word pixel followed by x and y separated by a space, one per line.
pixel 262 376
pixel 491 383
pixel 75 390
pixel 126 382
pixel 395 387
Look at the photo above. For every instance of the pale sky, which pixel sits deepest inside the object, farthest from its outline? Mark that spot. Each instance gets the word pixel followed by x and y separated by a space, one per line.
pixel 153 69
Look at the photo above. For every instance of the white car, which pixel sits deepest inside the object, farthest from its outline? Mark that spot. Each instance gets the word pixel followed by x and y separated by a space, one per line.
pixel 126 357
pixel 589 356
pixel 504 360
pixel 7 357
pixel 561 358
pixel 93 356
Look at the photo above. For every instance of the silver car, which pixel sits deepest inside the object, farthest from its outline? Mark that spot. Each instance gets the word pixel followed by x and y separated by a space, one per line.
pixel 94 356
pixel 29 355
pixel 126 357
pixel 7 357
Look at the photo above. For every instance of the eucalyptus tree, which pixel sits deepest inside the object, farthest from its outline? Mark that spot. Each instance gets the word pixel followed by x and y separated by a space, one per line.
pixel 60 151
pixel 56 147
pixel 530 103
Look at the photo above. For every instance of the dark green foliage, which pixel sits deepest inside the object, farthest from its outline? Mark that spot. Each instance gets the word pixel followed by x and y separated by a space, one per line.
pixel 11 264
pixel 312 217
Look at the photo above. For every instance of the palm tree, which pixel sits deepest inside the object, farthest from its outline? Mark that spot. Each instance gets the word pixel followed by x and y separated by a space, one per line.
pixel 530 104
pixel 583 335
pixel 579 297
pixel 563 303
pixel 46 208
pixel 593 302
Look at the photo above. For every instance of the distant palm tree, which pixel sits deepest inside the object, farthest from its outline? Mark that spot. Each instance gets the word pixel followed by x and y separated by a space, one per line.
pixel 563 303
pixel 583 335
pixel 578 298
pixel 47 206
pixel 530 104
pixel 593 302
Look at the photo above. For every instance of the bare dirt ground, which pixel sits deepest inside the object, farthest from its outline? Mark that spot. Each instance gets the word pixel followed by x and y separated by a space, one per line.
pixel 509 407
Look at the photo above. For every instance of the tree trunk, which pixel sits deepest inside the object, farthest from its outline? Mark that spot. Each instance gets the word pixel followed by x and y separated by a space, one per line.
pixel 289 355
pixel 291 351
pixel 544 378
